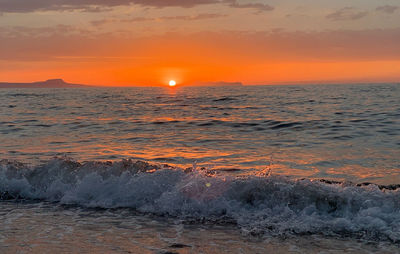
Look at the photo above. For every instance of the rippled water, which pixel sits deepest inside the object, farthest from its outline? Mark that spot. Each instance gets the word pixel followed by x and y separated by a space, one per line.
pixel 344 132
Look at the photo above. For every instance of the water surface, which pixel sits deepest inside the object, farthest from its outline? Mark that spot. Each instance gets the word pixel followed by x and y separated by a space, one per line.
pixel 343 132
pixel 252 169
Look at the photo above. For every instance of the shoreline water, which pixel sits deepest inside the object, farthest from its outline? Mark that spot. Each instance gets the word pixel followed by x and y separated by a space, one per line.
pixel 48 228
pixel 257 205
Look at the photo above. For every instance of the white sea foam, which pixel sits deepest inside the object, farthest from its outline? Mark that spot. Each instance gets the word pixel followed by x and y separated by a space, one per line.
pixel 257 204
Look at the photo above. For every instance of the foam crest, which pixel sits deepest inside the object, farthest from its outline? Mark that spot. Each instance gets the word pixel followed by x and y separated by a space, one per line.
pixel 257 204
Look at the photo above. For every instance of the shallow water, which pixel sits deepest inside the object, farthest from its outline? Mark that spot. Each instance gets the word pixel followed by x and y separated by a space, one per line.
pixel 48 228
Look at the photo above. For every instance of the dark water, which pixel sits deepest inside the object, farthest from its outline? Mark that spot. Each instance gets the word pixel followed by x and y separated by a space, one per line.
pixel 341 132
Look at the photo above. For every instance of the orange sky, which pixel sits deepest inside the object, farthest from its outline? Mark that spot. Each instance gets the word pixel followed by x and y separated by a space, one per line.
pixel 149 43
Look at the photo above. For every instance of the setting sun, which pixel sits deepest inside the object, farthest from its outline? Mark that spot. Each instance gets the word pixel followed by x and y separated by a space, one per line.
pixel 172 83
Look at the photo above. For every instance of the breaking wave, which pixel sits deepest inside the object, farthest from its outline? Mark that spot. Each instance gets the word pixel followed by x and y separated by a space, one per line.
pixel 264 204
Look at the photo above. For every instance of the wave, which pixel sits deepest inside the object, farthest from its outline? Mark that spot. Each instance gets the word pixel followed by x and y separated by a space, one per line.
pixel 263 204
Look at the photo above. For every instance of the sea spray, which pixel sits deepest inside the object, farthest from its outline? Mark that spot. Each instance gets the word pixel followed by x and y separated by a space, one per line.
pixel 259 205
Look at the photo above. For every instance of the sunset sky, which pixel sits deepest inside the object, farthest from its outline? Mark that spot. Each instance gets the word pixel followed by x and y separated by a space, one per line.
pixel 149 42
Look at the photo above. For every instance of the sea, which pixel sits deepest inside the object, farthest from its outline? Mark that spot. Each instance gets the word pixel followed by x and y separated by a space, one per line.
pixel 219 169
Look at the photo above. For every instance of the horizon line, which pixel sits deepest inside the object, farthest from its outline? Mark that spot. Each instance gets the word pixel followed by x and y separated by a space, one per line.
pixel 217 83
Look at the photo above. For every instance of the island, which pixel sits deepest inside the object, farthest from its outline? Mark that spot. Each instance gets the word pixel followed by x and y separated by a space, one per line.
pixel 51 83
pixel 219 83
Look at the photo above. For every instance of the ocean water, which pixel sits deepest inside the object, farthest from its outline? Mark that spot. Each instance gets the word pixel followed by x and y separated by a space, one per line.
pixel 239 169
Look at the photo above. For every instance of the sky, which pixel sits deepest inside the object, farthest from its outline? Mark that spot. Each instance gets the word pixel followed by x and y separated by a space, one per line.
pixel 149 42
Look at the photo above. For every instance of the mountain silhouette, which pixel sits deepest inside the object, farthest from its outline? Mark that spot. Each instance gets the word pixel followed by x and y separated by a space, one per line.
pixel 50 83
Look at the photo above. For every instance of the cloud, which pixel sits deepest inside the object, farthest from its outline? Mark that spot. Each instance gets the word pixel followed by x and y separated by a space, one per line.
pixel 388 9
pixel 21 6
pixel 330 45
pixel 180 3
pixel 195 17
pixel 347 13
pixel 257 6
pixel 165 18
pixel 41 32
pixel 101 22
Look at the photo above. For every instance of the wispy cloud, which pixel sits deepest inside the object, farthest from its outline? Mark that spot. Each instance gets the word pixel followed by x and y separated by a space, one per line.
pixel 388 9
pixel 22 6
pixel 201 16
pixel 47 31
pixel 347 13
pixel 259 7
pixel 49 42
pixel 195 17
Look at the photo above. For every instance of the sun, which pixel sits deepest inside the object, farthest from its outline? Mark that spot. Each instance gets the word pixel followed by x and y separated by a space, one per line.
pixel 172 83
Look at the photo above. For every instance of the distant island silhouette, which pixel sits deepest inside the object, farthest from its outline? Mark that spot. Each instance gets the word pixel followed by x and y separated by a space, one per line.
pixel 60 83
pixel 51 83
pixel 219 83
